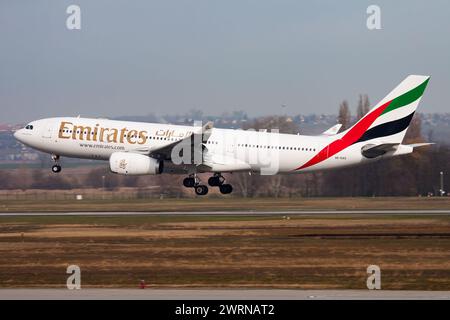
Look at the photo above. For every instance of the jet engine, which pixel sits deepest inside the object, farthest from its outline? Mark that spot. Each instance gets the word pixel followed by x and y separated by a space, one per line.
pixel 134 164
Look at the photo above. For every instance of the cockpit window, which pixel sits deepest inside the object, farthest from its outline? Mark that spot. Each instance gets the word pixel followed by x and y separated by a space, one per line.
pixel 29 127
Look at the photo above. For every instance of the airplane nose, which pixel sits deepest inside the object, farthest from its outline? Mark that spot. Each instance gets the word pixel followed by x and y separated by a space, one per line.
pixel 17 134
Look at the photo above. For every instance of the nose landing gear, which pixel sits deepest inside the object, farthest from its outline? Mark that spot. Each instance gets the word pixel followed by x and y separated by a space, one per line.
pixel 56 167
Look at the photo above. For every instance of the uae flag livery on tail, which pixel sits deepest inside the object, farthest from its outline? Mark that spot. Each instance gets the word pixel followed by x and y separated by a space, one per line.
pixel 388 120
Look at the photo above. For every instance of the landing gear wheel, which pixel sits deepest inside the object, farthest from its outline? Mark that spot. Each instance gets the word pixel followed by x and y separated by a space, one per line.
pixel 56 167
pixel 214 181
pixel 189 182
pixel 225 188
pixel 201 190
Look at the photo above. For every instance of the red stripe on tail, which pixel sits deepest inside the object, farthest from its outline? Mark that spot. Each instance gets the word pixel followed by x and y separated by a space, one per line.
pixel 348 139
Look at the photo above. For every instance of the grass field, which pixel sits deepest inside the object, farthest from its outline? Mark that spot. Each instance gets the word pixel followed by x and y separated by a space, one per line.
pixel 225 204
pixel 307 252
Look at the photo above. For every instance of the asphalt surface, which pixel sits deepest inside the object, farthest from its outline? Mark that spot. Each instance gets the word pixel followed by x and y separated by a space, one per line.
pixel 235 213
pixel 211 294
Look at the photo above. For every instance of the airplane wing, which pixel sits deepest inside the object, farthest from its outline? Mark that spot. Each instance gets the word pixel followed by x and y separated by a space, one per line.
pixel 376 150
pixel 195 140
pixel 333 130
pixel 223 163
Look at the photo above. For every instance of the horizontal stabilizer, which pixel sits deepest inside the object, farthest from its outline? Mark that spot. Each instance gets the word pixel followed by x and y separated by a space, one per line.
pixel 374 150
pixel 417 145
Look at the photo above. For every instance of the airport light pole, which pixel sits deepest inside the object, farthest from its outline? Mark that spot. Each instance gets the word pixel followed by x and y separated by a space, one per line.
pixel 441 191
pixel 103 187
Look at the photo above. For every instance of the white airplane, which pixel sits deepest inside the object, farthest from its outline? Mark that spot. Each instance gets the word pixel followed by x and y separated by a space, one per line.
pixel 134 148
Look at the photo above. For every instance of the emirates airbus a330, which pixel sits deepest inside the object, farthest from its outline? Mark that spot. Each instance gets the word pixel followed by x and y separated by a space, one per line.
pixel 134 148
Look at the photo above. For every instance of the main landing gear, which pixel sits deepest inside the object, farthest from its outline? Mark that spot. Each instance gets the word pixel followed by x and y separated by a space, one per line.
pixel 217 180
pixel 194 182
pixel 56 167
pixel 201 190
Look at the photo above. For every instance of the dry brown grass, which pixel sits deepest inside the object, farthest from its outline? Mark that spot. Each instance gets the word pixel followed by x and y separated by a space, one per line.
pixel 304 252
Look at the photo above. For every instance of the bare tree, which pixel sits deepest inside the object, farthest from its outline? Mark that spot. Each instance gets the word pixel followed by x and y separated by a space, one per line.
pixel 366 104
pixel 363 106
pixel 95 179
pixel 42 179
pixel 5 180
pixel 243 182
pixel 283 123
pixel 414 133
pixel 344 116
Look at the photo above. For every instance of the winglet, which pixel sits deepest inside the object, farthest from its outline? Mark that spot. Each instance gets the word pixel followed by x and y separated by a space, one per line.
pixel 333 130
pixel 207 126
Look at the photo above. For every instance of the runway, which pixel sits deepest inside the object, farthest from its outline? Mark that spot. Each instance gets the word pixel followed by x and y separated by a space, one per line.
pixel 221 294
pixel 234 213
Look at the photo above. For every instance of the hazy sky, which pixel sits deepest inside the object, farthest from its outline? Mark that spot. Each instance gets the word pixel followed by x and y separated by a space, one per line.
pixel 141 57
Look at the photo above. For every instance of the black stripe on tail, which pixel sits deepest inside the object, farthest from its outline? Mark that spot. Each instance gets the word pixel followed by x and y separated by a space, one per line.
pixel 387 129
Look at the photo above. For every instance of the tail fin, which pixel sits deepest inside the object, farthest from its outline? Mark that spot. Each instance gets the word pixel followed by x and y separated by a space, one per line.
pixel 390 118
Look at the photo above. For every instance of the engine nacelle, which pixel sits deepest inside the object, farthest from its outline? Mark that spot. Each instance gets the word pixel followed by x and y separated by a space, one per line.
pixel 134 164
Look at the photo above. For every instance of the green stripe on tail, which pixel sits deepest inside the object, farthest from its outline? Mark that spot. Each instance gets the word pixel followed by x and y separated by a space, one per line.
pixel 407 97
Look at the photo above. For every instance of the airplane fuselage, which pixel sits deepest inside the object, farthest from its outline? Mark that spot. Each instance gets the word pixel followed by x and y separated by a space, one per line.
pixel 88 138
